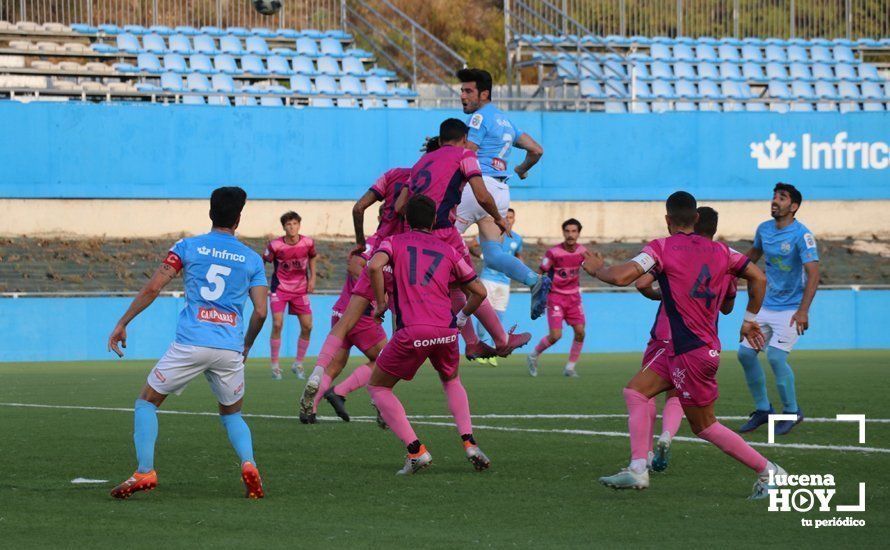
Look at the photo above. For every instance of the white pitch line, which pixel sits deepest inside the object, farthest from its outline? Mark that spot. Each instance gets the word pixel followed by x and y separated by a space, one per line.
pixel 424 420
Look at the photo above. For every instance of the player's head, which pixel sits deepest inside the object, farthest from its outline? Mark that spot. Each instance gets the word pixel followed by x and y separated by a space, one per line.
pixel 421 212
pixel 706 226
pixel 226 204
pixel 571 230
pixel 510 218
pixel 786 200
pixel 290 222
pixel 682 212
pixel 475 89
pixel 430 145
pixel 453 132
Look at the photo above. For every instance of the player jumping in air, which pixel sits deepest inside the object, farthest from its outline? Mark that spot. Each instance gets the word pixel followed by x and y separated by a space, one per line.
pixel 423 268
pixel 693 274
pixel 657 351
pixel 792 275
pixel 293 280
pixel 563 264
pixel 219 273
pixel 492 135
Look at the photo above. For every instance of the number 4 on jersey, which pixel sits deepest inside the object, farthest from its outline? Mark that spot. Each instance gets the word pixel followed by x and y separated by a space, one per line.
pixel 702 287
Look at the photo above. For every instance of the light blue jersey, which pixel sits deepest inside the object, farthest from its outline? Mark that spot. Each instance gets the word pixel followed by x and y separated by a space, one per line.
pixel 512 246
pixel 218 272
pixel 495 135
pixel 785 251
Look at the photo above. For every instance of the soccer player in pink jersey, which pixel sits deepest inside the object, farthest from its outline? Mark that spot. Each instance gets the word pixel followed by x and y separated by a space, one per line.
pixel 441 175
pixel 693 276
pixel 423 267
pixel 563 263
pixel 293 280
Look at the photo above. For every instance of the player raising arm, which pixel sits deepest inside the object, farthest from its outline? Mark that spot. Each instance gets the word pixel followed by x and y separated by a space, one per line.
pixel 219 273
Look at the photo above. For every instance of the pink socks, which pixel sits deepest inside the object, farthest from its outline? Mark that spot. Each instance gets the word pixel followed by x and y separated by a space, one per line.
pixel 638 424
pixel 458 301
pixel 459 405
pixel 543 345
pixel 575 352
pixel 732 444
pixel 302 346
pixel 275 344
pixel 358 379
pixel 489 319
pixel 323 387
pixel 331 344
pixel 671 416
pixel 393 413
pixel 653 412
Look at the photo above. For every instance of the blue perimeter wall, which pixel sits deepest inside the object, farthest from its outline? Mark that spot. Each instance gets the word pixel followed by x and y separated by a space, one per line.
pixel 76 329
pixel 83 150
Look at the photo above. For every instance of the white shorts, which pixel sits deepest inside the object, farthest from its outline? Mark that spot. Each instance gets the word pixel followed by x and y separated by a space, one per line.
pixel 777 329
pixel 498 294
pixel 469 211
pixel 223 368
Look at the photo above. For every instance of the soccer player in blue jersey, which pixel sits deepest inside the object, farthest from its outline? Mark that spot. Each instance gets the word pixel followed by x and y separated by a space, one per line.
pixel 792 275
pixel 219 274
pixel 492 136
pixel 496 283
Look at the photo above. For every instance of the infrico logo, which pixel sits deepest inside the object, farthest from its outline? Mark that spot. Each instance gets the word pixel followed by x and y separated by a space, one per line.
pixel 839 154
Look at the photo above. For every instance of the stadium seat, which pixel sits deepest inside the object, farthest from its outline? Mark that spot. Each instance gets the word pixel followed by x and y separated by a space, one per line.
pixel 240 32
pixel 397 103
pixel 686 89
pixel 212 31
pixel 848 90
pixel 776 71
pixel 245 101
pixel 196 82
pixel 778 90
pixel 128 43
pixel 307 46
pixel 640 107
pixel 303 65
pixel 614 68
pixel 82 28
pixel 193 100
pixel 201 63
pixel 187 30
pixel 119 67
pixel 147 88
pixel 256 45
pixel 822 71
pixel 591 68
pixel 843 54
pixel 615 107
pixel 97 47
pixel 135 29
pixel 660 69
pixel 640 70
pixel 219 100
pixel 684 70
pixel 801 107
pixel 354 66
pixel 222 83
pixel 728 52
pixel 278 65
pixel 729 70
pixel 225 63
pixel 661 89
pixel 205 44
pixel 328 66
pixel 263 32
pixel 347 103
pixel 615 88
pixel 331 47
pixel 752 53
pixel 802 90
pixel 179 43
pixel 799 71
pixel 148 62
pixel 326 85
pixel 821 54
pixel 252 64
pixel 176 63
pixel 872 90
pixel 683 52
pixel 153 43
pixel 590 88
pixel 755 107
pixel 798 53
pixel 708 89
pixel 705 52
pixel 372 103
pixel 351 85
pixel 300 84
pixel 328 102
pixel 567 68
pixel 776 53
pixel 171 82
pixel 375 85
pixel 827 95
pixel 162 30
pixel 845 71
pixel 709 71
pixel 848 106
pixel 109 28
pixel 752 71
pixel 867 71
pixel 231 45
pixel 660 52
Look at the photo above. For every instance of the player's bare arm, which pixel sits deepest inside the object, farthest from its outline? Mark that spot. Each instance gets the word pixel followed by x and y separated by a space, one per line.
pixel 754 254
pixel 354 265
pixel 533 153
pixel 486 201
pixel 750 330
pixel 476 294
pixel 472 146
pixel 728 305
pixel 619 274
pixel 375 272
pixel 590 263
pixel 310 284
pixel 161 278
pixel 801 317
pixel 402 201
pixel 259 296
pixel 646 286
pixel 358 216
pixel 475 248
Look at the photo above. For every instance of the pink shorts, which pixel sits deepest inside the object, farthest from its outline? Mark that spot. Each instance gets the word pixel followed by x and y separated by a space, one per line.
pixel 564 307
pixel 694 376
pixel 450 236
pixel 411 346
pixel 655 358
pixel 364 335
pixel 297 304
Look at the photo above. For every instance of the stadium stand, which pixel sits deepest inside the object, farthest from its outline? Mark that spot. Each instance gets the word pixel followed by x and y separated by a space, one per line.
pixel 247 66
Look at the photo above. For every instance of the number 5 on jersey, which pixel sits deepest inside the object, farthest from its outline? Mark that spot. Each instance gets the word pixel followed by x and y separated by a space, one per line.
pixel 218 285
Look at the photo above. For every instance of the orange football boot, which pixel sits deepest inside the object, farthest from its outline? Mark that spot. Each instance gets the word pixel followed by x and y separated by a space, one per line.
pixel 252 481
pixel 135 483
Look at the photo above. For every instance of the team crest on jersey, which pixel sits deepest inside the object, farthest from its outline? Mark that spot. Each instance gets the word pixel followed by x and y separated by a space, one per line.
pixel 809 240
pixel 476 121
pixel 213 315
pixel 678 377
pixel 786 247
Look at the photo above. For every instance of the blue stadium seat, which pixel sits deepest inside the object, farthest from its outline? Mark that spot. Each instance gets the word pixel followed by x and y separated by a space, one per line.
pixel 730 71
pixel 300 84
pixel 732 91
pixel 802 90
pixel 351 85
pixel 83 28
pixel 171 82
pixel 108 28
pixel 338 34
pixel 683 52
pixel 845 71
pixel 212 31
pixel 256 45
pixel 405 92
pixel 263 32
pixel 245 101
pixel 303 65
pixel 193 100
pixel 778 90
pixel 686 90
pixel 153 43
pixel 314 34
pixel 218 100
pixel 567 68
pixel 822 71
pixel 135 29
pixel 660 69
pixel 827 94
pixel 752 53
pixel 590 88
pixel 205 44
pixel 225 63
pixel 591 68
pixel 728 52
pixel 709 71
pixel 347 103
pixel 753 41
pixel 307 46
pixel 615 107
pixel 641 71
pixel 705 52
pixel 125 68
pixel 843 54
pixel 615 88
pixel 397 103
pixel 820 54
pixel 99 47
pixel 187 30
pixel 776 53
pixel 375 85
pixel 252 64
pixel 753 71
pixel 685 70
pixel 291 34
pixel 175 62
pixel 240 32
pixel 325 84
pixel 148 63
pixel 849 106
pixel 128 43
pixel 614 67
pixel 327 102
pixel 755 107
pixel 222 83
pixel 331 47
pixel 798 53
pixel 278 65
pixel 231 45
pixel 640 108
pixel 801 107
pixel 201 63
pixel 640 40
pixel 799 71
pixel 660 51
pixel 358 52
pixel 862 43
pixel 328 66
pixel 163 30
pixel 872 90
pixel 354 66
pixel 869 72
pixel 147 88
pixel 179 43
pixel 708 89
pixel 196 82
pixel 661 89
pixel 271 101
pixel 848 90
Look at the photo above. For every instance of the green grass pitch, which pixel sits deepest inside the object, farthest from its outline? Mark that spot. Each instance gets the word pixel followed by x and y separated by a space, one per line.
pixel 334 483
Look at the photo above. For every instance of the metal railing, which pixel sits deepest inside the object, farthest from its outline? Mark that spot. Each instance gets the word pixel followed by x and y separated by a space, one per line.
pixel 296 14
pixel 763 18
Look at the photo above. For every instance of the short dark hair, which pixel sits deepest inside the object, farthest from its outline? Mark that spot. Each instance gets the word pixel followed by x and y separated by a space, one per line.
pixel 226 204
pixel 511 210
pixel 792 191
pixel 571 221
pixel 290 215
pixel 706 226
pixel 452 129
pixel 481 77
pixel 431 144
pixel 681 208
pixel 421 212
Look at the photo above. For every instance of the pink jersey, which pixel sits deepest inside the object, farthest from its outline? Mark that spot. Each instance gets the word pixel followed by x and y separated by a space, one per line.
pixel 441 176
pixel 387 189
pixel 291 263
pixel 564 267
pixel 692 274
pixel 349 285
pixel 423 267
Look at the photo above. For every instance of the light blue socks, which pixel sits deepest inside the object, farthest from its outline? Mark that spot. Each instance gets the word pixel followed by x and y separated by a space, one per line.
pixel 778 359
pixel 496 258
pixel 239 436
pixel 145 433
pixel 754 377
